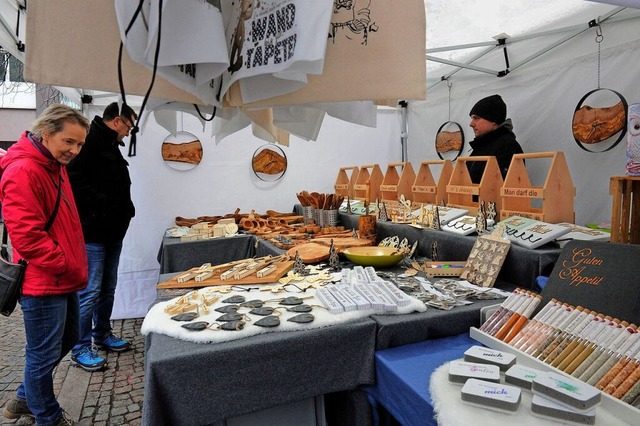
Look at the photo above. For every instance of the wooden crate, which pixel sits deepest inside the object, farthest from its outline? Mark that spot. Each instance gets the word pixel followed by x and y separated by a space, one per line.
pixel 460 189
pixel 395 184
pixel 555 197
pixel 425 189
pixel 625 216
pixel 345 182
pixel 367 187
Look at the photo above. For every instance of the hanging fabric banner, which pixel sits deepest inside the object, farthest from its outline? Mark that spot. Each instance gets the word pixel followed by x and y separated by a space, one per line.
pixel 274 44
pixel 375 50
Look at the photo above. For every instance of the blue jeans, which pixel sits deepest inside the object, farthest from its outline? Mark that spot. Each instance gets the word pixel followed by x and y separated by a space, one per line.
pixel 96 301
pixel 51 329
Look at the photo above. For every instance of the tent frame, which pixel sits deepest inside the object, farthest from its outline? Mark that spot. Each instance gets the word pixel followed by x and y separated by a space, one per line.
pixel 502 43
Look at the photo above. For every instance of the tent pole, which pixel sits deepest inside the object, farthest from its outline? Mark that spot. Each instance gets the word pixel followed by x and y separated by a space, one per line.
pixel 404 133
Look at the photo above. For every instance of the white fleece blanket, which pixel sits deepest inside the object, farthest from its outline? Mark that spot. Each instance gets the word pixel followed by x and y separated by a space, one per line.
pixel 451 411
pixel 157 321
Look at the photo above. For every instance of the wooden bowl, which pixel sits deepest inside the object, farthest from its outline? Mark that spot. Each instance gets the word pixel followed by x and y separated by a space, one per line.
pixel 378 257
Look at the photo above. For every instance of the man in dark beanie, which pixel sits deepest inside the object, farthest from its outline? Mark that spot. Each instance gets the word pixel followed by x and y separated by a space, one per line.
pixel 493 136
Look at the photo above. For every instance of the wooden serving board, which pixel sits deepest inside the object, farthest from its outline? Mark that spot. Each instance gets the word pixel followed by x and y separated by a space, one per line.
pixel 309 252
pixel 281 269
pixel 342 243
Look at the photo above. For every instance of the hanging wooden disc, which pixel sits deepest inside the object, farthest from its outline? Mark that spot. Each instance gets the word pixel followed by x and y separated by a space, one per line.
pixel 600 120
pixel 182 151
pixel 269 163
pixel 449 141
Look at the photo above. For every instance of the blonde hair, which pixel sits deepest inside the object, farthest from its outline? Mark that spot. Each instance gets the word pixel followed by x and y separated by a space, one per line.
pixel 53 119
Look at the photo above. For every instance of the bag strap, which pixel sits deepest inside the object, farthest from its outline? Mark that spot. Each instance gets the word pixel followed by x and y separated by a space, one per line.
pixel 3 250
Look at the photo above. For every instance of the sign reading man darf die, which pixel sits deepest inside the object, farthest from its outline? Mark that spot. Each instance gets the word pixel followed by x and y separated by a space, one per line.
pixel 604 277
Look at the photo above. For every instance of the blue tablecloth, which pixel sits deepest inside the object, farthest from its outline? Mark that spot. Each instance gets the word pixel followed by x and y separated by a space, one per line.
pixel 403 373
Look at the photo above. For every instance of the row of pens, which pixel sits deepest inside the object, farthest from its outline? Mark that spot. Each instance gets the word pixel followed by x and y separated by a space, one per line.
pixel 597 349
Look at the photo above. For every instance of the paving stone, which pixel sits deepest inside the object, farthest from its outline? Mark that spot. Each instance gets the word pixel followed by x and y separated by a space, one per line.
pixel 119 387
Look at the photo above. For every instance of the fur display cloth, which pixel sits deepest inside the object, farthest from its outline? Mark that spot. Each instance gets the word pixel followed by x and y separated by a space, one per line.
pixel 158 321
pixel 451 411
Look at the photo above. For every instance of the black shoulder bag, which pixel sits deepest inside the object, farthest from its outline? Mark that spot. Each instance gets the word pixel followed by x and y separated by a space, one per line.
pixel 12 274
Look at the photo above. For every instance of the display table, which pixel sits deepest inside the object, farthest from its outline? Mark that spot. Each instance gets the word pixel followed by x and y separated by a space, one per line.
pixel 402 377
pixel 521 267
pixel 177 256
pixel 197 384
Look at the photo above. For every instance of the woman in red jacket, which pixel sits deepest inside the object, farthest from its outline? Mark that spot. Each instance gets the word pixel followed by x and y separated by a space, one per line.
pixel 33 171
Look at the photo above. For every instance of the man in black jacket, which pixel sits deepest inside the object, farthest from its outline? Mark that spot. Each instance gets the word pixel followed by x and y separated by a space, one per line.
pixel 101 186
pixel 493 136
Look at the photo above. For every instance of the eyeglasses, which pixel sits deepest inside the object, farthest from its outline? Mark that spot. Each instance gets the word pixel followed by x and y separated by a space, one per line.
pixel 124 121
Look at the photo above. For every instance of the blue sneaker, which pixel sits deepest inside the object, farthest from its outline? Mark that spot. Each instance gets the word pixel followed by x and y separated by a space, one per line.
pixel 88 360
pixel 113 343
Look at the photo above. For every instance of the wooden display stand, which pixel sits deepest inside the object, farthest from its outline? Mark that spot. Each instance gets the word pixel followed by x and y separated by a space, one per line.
pixel 394 185
pixel 425 189
pixel 460 190
pixel 557 193
pixel 367 187
pixel 625 216
pixel 345 183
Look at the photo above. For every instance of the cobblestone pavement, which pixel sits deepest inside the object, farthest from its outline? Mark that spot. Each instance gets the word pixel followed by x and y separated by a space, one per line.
pixel 109 397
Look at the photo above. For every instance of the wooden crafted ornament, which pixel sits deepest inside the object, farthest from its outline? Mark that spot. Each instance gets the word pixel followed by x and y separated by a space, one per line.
pixel 486 258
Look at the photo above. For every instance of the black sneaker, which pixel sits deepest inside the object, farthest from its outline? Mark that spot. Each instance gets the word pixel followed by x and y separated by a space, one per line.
pixel 16 408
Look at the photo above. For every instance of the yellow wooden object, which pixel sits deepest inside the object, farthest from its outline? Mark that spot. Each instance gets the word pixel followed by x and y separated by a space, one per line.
pixel 425 189
pixel 625 215
pixel 396 184
pixel 460 189
pixel 345 181
pixel 552 202
pixel 367 187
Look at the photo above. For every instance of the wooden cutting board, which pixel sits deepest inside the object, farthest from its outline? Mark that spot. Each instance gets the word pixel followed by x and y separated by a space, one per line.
pixel 281 269
pixel 310 252
pixel 343 243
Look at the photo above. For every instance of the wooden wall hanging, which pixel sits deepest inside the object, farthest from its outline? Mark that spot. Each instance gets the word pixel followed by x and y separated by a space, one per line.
pixel 449 140
pixel 593 123
pixel 182 151
pixel 269 163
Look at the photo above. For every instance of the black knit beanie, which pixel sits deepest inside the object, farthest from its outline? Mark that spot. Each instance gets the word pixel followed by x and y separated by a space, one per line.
pixel 491 108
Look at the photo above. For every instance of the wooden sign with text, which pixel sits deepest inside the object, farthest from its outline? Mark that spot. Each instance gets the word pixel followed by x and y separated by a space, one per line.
pixel 601 276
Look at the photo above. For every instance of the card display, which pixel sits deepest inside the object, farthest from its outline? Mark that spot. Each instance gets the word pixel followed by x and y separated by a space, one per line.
pixel 465 225
pixel 532 233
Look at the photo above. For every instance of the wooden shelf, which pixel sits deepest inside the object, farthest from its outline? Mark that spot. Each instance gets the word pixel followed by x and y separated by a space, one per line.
pixel 345 182
pixel 425 189
pixel 396 184
pixel 555 196
pixel 461 191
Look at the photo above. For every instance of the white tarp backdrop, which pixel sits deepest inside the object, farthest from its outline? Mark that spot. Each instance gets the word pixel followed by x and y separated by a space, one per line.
pixel 541 97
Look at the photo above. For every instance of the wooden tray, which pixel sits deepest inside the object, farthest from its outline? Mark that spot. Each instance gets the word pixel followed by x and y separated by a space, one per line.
pixel 309 252
pixel 281 269
pixel 454 270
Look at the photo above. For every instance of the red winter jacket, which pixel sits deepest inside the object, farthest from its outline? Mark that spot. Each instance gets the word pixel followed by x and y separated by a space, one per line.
pixel 57 260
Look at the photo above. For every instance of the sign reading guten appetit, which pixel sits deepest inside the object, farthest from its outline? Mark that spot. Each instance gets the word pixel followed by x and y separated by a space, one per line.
pixel 582 268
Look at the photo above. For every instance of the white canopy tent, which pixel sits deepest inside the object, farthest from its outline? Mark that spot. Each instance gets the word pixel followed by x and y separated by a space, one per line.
pixel 541 96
